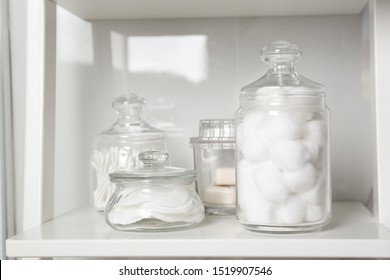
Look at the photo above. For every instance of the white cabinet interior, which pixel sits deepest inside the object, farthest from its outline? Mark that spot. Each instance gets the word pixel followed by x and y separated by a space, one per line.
pixel 189 62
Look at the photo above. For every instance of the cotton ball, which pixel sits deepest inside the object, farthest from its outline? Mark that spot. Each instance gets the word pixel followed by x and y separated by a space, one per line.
pixel 308 116
pixel 313 149
pixel 287 126
pixel 251 206
pixel 269 180
pixel 316 132
pixel 301 180
pixel 298 89
pixel 290 155
pixel 317 194
pixel 314 212
pixel 254 123
pixel 321 161
pixel 248 194
pixel 239 137
pixel 275 90
pixel 255 148
pixel 259 211
pixel 292 211
pixel 246 186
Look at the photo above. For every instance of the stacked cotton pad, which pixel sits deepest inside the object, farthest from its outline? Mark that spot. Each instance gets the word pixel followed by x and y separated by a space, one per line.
pixel 281 170
pixel 170 204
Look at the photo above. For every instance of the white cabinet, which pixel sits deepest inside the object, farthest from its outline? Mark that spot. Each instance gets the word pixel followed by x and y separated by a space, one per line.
pixel 189 59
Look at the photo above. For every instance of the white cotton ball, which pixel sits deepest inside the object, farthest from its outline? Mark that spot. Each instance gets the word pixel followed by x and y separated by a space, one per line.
pixel 269 181
pixel 287 126
pixel 314 212
pixel 317 194
pixel 316 132
pixel 321 162
pixel 297 89
pixel 308 116
pixel 251 206
pixel 313 149
pixel 292 211
pixel 301 180
pixel 255 148
pixel 275 90
pixel 290 155
pixel 254 122
pixel 259 211
pixel 246 186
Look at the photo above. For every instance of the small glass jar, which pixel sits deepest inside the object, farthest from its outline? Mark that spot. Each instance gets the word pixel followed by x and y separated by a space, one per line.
pixel 282 144
pixel 214 160
pixel 154 197
pixel 118 147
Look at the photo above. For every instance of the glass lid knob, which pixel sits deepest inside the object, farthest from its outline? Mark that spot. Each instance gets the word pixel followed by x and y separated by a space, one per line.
pixel 280 51
pixel 153 158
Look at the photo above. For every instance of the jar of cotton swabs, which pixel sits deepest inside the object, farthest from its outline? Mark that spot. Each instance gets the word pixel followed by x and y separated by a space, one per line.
pixel 118 147
pixel 282 148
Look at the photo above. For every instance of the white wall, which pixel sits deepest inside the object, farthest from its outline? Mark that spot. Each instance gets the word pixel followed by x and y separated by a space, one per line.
pixel 193 69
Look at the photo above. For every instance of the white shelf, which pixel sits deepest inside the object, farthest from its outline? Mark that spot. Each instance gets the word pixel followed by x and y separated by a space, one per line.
pixel 353 233
pixel 136 9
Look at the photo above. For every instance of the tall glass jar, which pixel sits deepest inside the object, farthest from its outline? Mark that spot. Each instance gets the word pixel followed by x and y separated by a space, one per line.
pixel 282 148
pixel 118 147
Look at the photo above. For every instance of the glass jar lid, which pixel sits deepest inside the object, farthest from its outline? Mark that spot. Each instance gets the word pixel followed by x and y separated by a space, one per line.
pixel 130 125
pixel 218 133
pixel 154 171
pixel 282 77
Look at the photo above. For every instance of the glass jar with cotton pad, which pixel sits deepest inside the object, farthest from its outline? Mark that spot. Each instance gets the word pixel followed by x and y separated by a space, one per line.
pixel 118 147
pixel 154 197
pixel 214 150
pixel 282 148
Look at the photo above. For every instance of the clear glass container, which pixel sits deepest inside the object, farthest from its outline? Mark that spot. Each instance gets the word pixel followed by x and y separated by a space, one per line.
pixel 154 197
pixel 214 152
pixel 282 148
pixel 118 147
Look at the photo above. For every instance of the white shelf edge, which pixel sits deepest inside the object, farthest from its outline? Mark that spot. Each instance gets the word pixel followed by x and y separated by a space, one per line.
pixel 353 233
pixel 153 9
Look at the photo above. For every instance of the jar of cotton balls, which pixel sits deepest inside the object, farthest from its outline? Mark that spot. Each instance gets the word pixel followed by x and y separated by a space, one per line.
pixel 154 197
pixel 282 148
pixel 118 147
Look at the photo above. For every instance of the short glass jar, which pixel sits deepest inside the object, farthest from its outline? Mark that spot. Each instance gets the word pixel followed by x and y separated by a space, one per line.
pixel 118 147
pixel 214 160
pixel 282 144
pixel 154 197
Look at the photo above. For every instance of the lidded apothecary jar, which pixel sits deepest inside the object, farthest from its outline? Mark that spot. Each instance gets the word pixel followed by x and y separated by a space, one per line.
pixel 282 148
pixel 214 152
pixel 118 147
pixel 154 197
